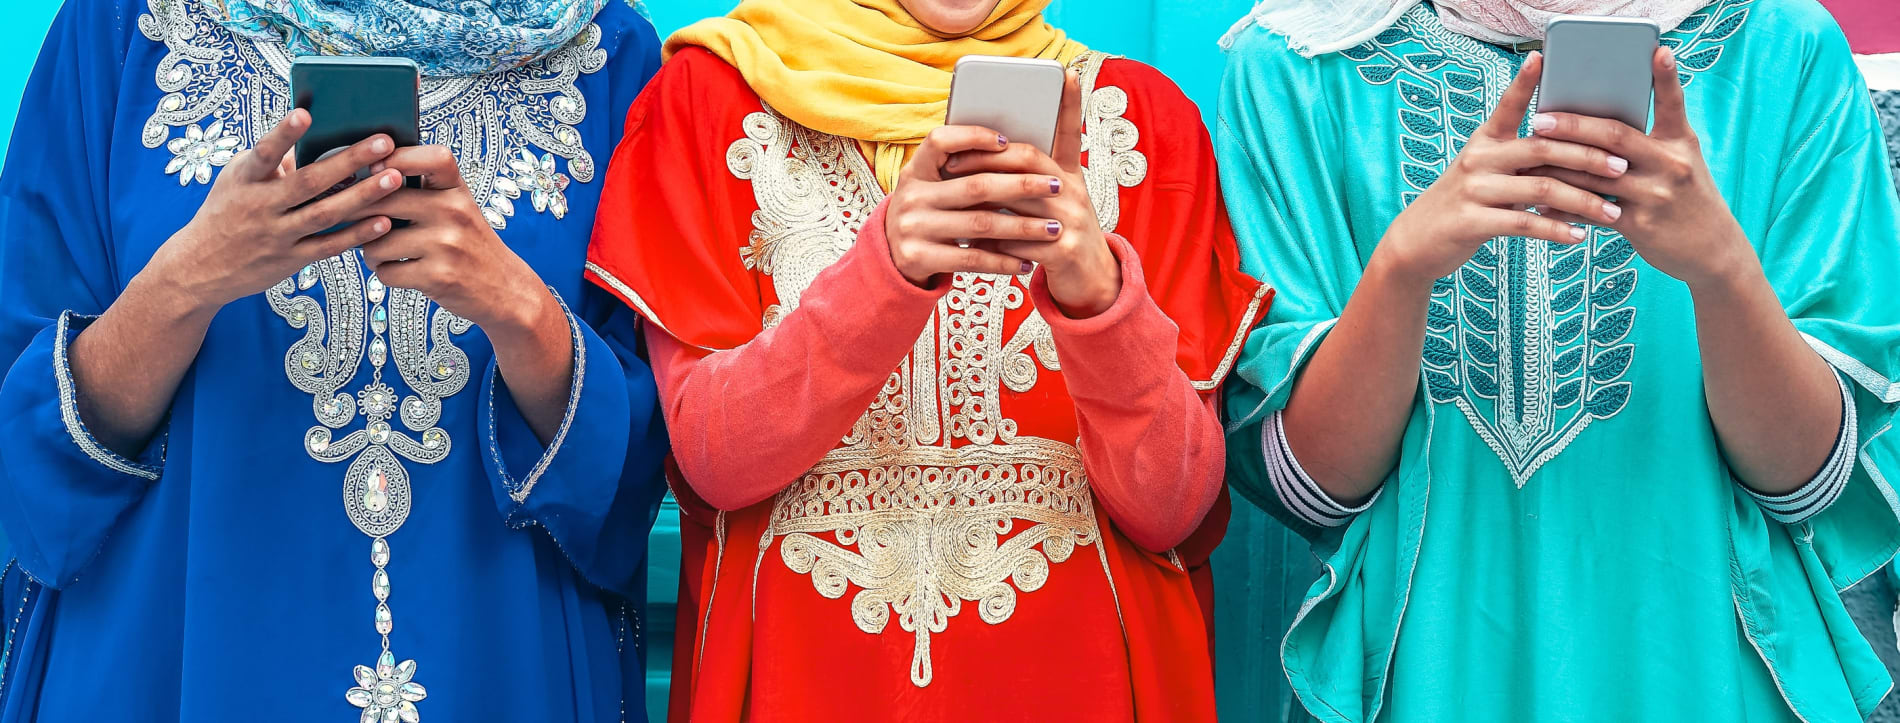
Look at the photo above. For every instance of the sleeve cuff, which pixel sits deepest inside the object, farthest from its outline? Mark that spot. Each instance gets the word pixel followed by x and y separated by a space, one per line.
pixel 523 445
pixel 1297 491
pixel 1819 493
pixel 150 463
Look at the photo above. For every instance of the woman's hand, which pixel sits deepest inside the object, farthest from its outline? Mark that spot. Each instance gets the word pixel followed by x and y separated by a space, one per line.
pixel 1084 276
pixel 254 228
pixel 449 252
pixel 1481 194
pixel 930 211
pixel 1674 215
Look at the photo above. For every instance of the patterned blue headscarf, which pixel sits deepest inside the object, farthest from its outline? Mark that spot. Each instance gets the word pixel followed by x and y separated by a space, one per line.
pixel 445 37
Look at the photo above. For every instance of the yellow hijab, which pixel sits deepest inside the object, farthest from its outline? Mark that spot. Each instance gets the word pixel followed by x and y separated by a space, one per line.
pixel 864 69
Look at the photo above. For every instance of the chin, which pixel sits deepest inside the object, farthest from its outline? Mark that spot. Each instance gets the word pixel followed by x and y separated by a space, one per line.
pixel 950 17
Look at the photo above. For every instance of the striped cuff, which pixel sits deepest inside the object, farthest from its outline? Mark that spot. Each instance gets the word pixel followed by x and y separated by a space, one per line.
pixel 1297 491
pixel 1815 496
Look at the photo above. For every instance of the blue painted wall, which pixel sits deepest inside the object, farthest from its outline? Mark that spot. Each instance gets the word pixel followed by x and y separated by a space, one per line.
pixel 1176 36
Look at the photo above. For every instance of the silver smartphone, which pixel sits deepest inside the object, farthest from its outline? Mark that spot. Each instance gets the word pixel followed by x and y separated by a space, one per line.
pixel 1020 98
pixel 1598 66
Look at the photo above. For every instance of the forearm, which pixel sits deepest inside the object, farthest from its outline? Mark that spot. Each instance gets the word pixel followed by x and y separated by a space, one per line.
pixel 1351 403
pixel 127 364
pixel 1151 443
pixel 1776 404
pixel 535 354
pixel 746 422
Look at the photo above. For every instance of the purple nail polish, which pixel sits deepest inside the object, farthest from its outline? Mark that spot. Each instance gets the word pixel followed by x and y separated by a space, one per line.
pixel 1055 186
pixel 1055 228
pixel 1027 267
pixel 1002 141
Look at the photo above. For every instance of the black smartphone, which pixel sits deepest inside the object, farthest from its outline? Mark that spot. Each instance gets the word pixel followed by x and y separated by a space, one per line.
pixel 350 99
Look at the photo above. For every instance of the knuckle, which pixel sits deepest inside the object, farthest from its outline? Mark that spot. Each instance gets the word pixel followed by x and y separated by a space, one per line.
pixel 1027 185
pixel 1523 223
pixel 974 192
pixel 906 225
pixel 983 224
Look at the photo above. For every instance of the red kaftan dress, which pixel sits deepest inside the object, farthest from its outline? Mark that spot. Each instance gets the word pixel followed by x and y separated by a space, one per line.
pixel 897 519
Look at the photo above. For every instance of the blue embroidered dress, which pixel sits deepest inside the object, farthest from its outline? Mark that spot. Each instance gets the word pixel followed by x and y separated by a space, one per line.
pixel 344 516
pixel 1561 539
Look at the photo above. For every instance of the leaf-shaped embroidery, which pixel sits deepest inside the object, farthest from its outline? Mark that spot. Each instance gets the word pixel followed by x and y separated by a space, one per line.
pixel 1614 290
pixel 1694 21
pixel 1439 352
pixel 1359 52
pixel 1567 299
pixel 1378 74
pixel 1485 256
pixel 1469 104
pixel 1465 127
pixel 1441 385
pixel 1610 363
pixel 1481 351
pixel 1407 197
pixel 1568 362
pixel 1419 96
pixel 1612 327
pixel 1477 284
pixel 1391 36
pixel 1479 317
pixel 1606 401
pixel 1566 393
pixel 1568 266
pixel 1481 382
pixel 1613 254
pixel 1421 150
pixel 1425 62
pixel 1701 60
pixel 1421 177
pixel 1568 331
pixel 1463 81
pixel 1439 317
pixel 1722 30
pixel 1420 123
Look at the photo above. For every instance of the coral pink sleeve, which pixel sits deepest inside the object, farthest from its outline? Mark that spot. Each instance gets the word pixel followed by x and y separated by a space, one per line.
pixel 1151 442
pixel 748 421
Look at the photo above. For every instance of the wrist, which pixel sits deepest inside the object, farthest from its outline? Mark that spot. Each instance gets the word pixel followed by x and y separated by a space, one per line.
pixel 163 285
pixel 530 314
pixel 1088 287
pixel 1390 268
pixel 1734 268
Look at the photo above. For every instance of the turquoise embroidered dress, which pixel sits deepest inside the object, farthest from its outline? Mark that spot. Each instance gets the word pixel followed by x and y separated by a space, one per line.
pixel 1561 539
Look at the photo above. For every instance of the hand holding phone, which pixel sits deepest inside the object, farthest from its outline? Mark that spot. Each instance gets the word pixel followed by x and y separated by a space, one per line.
pixel 1665 199
pixel 263 220
pixel 965 177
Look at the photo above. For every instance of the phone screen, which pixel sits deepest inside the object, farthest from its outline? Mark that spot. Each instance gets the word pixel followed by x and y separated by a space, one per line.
pixel 351 99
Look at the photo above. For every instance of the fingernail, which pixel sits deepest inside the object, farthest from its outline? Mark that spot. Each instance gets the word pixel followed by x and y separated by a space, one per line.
pixel 1055 228
pixel 1543 122
pixel 380 226
pixel 1618 165
pixel 1669 58
pixel 1002 141
pixel 1027 267
pixel 380 145
pixel 388 182
pixel 377 167
pixel 1612 210
pixel 1576 232
pixel 1055 186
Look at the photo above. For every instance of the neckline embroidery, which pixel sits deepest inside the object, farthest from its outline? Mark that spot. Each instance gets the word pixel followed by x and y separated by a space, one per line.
pixel 1530 340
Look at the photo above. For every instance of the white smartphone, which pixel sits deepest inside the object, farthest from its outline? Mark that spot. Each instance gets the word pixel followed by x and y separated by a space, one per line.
pixel 1598 66
pixel 1017 97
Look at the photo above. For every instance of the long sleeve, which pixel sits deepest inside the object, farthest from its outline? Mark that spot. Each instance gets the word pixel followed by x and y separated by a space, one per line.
pixel 1296 236
pixel 1151 442
pixel 596 485
pixel 748 421
pixel 597 482
pixel 61 491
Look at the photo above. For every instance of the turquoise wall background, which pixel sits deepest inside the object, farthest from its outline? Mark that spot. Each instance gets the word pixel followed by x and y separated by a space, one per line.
pixel 1259 581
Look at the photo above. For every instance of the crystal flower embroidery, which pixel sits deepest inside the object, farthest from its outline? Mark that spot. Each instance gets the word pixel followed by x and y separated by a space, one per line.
pixel 387 694
pixel 200 150
pixel 546 187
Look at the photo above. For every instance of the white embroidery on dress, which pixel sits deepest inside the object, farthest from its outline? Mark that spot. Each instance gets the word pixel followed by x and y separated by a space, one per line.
pixel 934 498
pixel 1528 339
